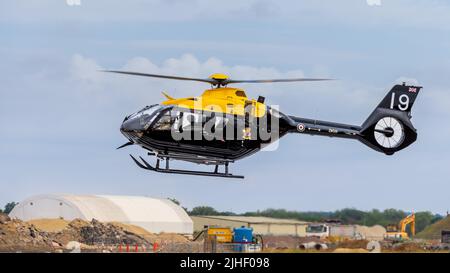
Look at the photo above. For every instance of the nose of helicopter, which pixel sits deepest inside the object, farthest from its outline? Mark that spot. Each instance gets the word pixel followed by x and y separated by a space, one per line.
pixel 131 125
pixel 134 125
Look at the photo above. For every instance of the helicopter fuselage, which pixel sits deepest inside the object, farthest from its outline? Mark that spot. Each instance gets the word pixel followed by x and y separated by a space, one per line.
pixel 182 132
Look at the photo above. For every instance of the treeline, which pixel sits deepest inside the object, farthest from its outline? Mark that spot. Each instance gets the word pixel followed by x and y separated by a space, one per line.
pixel 346 216
pixel 8 207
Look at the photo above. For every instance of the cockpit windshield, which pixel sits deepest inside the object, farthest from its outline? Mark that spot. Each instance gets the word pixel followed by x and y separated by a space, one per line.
pixel 147 114
pixel 147 109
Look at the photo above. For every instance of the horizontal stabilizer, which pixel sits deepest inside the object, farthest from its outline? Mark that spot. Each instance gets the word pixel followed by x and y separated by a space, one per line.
pixel 125 145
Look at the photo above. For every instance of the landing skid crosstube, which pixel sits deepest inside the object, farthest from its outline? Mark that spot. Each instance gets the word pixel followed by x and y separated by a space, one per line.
pixel 145 165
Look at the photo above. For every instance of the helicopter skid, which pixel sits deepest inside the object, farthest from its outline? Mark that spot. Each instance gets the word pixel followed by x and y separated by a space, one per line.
pixel 145 165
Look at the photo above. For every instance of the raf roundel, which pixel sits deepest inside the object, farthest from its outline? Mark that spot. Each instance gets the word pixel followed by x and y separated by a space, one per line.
pixel 301 127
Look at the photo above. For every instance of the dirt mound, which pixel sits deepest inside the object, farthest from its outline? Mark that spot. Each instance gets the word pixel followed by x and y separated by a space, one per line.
pixel 78 223
pixel 409 247
pixel 16 235
pixel 97 233
pixel 284 241
pixel 53 235
pixel 132 228
pixel 371 233
pixel 49 225
pixel 4 218
pixel 70 233
pixel 168 238
pixel 353 244
pixel 350 250
pixel 433 232
pixel 146 235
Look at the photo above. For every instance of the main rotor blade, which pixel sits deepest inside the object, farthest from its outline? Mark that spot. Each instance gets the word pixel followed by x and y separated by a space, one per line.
pixel 212 81
pixel 277 80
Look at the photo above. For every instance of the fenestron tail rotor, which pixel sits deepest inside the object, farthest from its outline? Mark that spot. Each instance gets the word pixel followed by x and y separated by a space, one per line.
pixel 216 79
pixel 389 132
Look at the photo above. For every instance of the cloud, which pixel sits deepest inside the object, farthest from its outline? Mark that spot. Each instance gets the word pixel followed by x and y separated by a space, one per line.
pixel 373 2
pixel 312 98
pixel 120 11
pixel 354 13
pixel 407 80
pixel 85 69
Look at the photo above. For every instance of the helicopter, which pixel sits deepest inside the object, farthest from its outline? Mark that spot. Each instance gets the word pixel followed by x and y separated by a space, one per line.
pixel 223 125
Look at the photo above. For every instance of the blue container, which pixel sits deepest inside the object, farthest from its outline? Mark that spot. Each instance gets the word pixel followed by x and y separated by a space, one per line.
pixel 242 235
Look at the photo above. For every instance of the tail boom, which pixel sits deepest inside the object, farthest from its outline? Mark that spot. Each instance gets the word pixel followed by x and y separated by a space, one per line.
pixel 324 128
pixel 388 128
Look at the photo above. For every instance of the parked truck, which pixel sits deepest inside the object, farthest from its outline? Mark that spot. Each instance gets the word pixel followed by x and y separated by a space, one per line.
pixel 327 230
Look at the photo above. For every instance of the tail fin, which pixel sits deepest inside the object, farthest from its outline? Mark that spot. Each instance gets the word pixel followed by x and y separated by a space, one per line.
pixel 389 129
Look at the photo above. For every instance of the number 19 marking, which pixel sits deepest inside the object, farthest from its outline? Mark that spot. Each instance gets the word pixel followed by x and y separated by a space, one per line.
pixel 403 102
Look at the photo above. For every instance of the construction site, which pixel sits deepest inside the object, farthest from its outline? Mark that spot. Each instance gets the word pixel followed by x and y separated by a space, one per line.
pixel 132 224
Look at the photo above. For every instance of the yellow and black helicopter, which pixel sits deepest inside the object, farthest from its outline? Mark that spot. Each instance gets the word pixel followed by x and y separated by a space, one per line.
pixel 224 125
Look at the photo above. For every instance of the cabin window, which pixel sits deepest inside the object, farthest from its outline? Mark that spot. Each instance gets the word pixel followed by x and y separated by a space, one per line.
pixel 165 122
pixel 240 93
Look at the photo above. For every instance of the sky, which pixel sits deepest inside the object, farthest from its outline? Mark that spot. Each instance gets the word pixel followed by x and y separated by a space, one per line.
pixel 60 117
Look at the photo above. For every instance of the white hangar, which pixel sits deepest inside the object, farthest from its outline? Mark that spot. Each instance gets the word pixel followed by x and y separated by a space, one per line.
pixel 153 214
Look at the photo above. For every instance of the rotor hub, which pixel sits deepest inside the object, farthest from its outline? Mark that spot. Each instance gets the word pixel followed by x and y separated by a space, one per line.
pixel 219 77
pixel 389 132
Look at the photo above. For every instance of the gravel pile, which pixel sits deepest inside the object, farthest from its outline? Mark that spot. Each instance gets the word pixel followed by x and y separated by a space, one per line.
pixel 16 235
pixel 19 236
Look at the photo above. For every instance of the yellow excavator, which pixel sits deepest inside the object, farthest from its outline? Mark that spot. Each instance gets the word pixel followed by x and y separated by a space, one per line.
pixel 398 232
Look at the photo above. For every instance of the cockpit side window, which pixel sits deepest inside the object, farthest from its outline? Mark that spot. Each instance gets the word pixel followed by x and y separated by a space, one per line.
pixel 165 121
pixel 241 93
